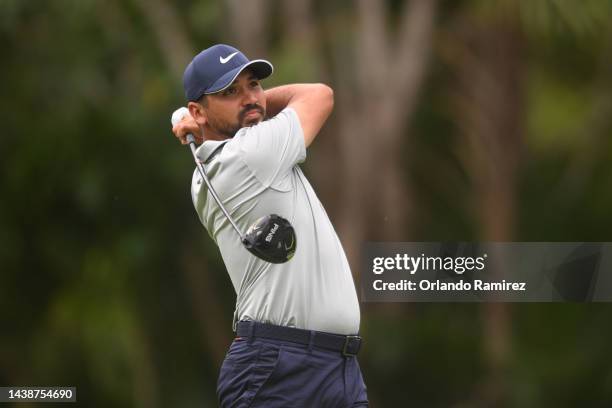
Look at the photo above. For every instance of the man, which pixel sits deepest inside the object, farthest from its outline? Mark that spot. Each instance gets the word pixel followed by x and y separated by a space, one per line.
pixel 296 322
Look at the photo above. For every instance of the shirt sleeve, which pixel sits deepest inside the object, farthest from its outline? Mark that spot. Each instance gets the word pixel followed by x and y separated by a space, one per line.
pixel 272 148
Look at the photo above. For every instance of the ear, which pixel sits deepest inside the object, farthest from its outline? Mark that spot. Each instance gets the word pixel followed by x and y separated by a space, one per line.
pixel 198 113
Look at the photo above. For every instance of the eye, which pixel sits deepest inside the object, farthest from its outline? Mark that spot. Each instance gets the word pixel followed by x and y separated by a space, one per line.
pixel 229 91
pixel 254 84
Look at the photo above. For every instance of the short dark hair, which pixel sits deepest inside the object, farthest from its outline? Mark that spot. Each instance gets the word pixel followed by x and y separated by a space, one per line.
pixel 203 100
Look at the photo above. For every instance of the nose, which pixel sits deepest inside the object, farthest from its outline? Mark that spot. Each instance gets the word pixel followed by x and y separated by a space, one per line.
pixel 249 97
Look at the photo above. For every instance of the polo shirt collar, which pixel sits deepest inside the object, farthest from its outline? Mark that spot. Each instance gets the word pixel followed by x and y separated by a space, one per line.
pixel 208 148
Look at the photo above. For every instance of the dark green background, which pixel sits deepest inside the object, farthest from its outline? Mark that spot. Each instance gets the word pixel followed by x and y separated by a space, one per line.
pixel 109 283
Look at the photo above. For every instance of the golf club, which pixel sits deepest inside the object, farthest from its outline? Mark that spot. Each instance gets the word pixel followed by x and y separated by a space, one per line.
pixel 271 238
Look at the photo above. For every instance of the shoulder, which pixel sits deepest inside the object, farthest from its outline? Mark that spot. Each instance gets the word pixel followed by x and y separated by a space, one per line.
pixel 271 148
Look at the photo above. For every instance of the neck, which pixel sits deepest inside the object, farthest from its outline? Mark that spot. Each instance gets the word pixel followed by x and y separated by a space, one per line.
pixel 210 134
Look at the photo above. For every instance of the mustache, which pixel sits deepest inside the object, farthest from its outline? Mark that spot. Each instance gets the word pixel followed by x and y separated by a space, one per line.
pixel 248 108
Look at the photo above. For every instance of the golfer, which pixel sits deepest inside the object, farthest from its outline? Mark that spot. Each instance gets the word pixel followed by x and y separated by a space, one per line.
pixel 297 322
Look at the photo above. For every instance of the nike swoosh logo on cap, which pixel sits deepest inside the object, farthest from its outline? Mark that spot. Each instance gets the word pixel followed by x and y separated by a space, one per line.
pixel 226 59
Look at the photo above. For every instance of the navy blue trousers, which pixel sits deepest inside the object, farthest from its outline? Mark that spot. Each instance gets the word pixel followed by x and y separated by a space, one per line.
pixel 268 373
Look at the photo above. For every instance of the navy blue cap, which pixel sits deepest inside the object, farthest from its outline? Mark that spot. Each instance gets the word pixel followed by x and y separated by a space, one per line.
pixel 215 68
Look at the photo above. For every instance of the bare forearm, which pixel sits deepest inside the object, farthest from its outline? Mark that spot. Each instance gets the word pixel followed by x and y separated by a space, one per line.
pixel 280 97
pixel 277 99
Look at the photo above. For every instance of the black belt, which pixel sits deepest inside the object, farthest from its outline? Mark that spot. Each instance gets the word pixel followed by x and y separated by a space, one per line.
pixel 347 345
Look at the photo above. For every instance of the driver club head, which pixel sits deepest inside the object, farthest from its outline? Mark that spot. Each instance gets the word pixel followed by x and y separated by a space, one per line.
pixel 271 238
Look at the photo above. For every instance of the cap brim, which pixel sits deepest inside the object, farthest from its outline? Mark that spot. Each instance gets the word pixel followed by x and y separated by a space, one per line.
pixel 261 68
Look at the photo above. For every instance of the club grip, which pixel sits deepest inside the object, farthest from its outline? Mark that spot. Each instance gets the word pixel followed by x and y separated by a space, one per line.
pixel 177 116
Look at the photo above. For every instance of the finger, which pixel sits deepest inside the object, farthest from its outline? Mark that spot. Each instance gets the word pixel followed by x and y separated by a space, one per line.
pixel 179 131
pixel 176 130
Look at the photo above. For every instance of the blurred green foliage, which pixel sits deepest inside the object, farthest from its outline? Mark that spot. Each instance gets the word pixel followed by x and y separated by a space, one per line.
pixel 96 217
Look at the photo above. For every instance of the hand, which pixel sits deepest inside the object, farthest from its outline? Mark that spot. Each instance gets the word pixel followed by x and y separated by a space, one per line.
pixel 184 127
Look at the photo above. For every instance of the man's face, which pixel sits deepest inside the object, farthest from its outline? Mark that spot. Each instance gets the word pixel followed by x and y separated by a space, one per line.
pixel 241 104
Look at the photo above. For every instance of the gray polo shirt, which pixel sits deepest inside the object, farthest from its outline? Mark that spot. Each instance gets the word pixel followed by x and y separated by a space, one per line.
pixel 256 173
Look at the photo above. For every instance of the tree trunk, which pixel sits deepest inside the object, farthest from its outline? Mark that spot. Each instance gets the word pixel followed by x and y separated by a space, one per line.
pixel 487 55
pixel 249 26
pixel 375 109
pixel 174 43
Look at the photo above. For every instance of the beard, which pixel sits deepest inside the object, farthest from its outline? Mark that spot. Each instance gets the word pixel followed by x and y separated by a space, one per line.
pixel 228 129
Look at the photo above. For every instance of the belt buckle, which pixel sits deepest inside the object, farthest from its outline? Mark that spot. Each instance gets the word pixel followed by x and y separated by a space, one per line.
pixel 347 342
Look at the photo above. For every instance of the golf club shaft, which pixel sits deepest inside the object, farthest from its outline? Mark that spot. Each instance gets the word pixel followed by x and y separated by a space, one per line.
pixel 212 191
